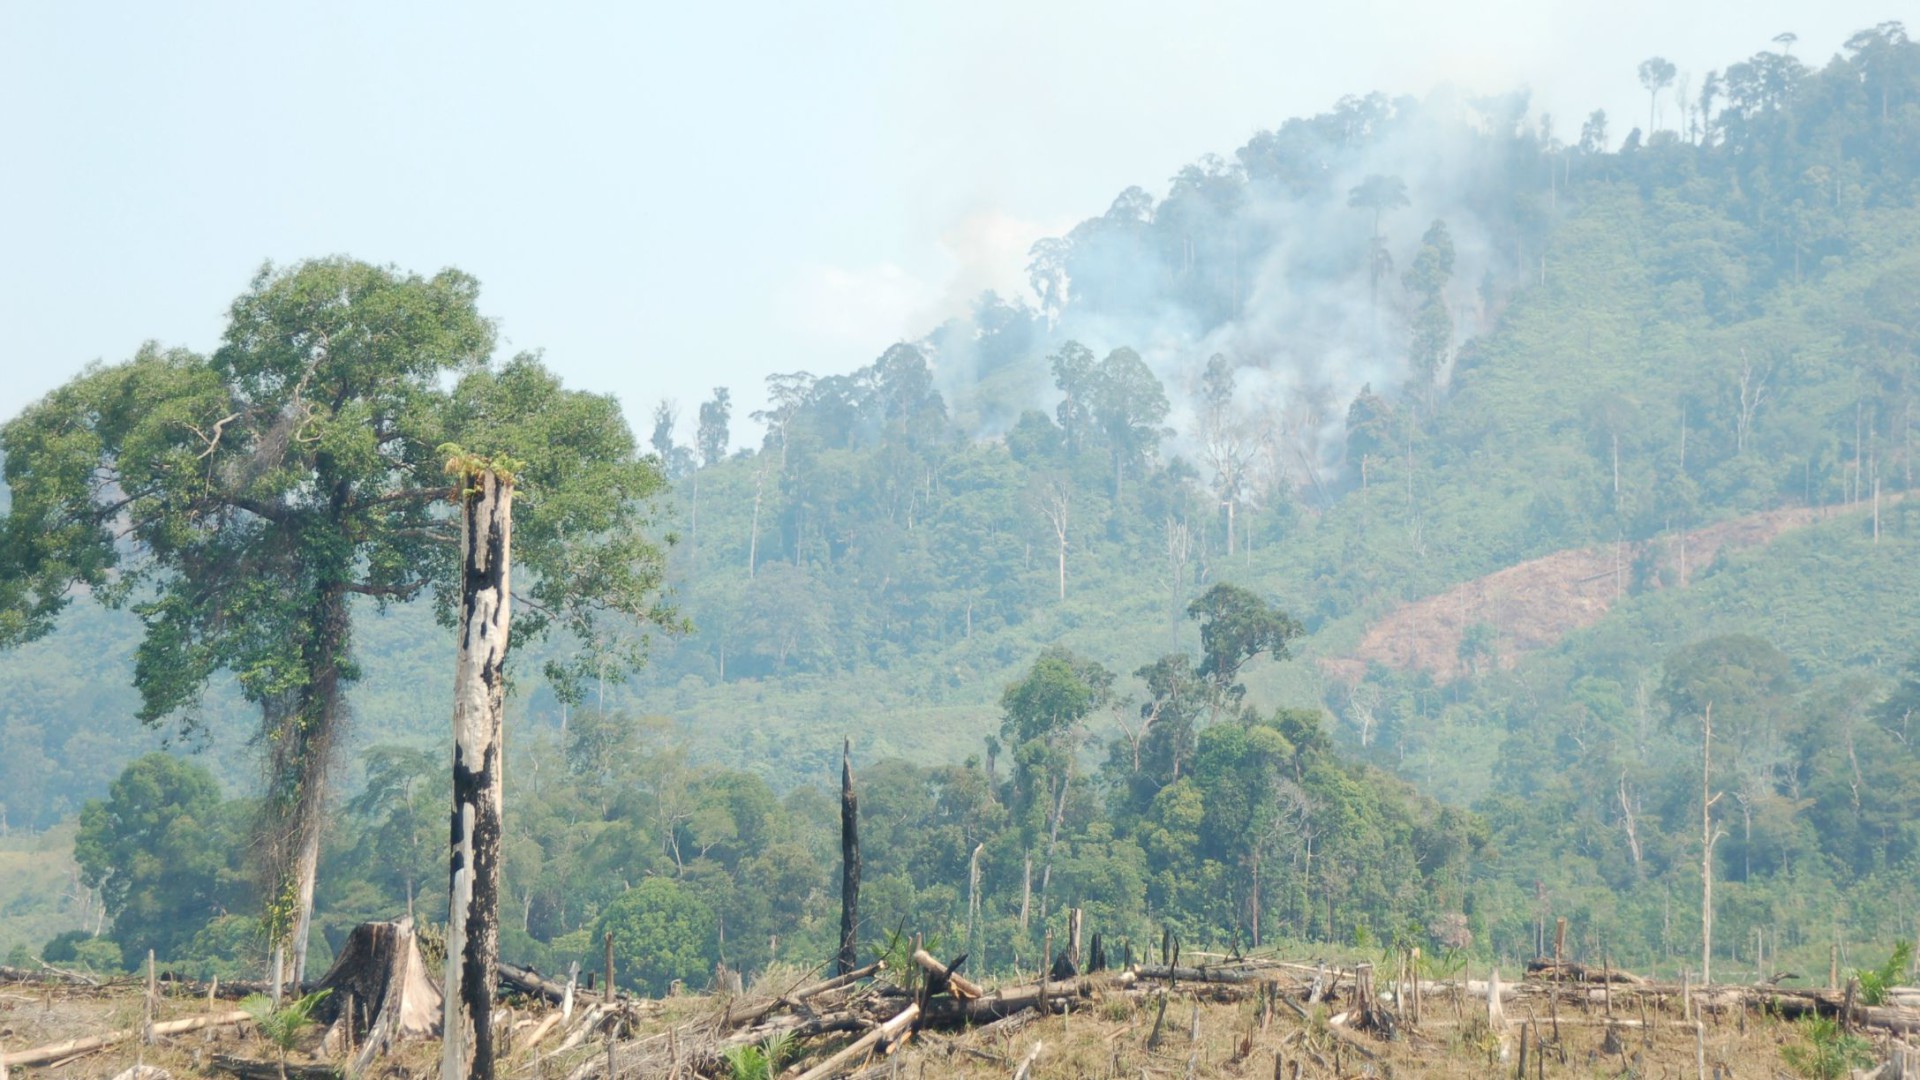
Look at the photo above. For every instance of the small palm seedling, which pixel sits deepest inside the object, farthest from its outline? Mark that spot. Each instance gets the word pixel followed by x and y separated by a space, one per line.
pixel 283 1026
pixel 1828 1052
pixel 1875 983
pixel 762 1062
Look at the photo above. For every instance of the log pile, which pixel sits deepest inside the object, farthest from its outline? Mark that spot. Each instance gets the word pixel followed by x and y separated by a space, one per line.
pixel 853 1025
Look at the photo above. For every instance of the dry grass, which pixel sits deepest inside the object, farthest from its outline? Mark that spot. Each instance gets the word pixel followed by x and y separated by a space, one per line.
pixel 1113 1043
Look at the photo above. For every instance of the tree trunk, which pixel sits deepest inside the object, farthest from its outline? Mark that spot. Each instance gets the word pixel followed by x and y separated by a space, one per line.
pixel 1707 838
pixel 973 907
pixel 753 533
pixel 473 922
pixel 1256 900
pixel 1026 889
pixel 306 871
pixel 303 730
pixel 849 864
pixel 1053 839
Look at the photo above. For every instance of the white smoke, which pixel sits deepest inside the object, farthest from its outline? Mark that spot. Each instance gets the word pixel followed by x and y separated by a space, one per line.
pixel 1308 334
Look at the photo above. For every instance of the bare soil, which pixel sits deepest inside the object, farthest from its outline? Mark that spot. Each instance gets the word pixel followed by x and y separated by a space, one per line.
pixel 1535 604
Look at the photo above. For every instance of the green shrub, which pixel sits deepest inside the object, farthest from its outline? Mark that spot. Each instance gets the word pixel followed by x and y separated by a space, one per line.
pixel 283 1026
pixel 228 947
pixel 1828 1053
pixel 60 950
pixel 1875 983
pixel 661 933
pixel 101 955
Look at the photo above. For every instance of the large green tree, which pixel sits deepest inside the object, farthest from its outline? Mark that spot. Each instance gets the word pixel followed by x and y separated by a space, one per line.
pixel 1130 406
pixel 240 502
pixel 160 850
pixel 1426 280
pixel 661 935
pixel 1237 625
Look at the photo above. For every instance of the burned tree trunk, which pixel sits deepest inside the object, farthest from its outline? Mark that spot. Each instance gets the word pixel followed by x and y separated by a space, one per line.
pixel 849 865
pixel 473 924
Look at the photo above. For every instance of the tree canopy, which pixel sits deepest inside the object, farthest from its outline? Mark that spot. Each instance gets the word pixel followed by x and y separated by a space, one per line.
pixel 239 503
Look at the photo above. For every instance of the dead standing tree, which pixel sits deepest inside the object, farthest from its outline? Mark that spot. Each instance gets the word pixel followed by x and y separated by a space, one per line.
pixel 484 490
pixel 849 864
pixel 1708 837
pixel 1054 498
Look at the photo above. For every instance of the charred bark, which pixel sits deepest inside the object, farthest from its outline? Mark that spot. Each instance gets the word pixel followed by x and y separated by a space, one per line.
pixel 473 923
pixel 849 865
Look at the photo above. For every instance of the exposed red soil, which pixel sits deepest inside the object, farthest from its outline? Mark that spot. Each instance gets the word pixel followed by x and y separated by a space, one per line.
pixel 1537 603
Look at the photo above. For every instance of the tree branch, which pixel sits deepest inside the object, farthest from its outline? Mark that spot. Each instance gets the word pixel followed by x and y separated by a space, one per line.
pixel 213 440
pixel 404 592
pixel 408 495
pixel 276 514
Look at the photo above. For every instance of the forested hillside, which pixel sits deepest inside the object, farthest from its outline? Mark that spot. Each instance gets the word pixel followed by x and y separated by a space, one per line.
pixel 1086 579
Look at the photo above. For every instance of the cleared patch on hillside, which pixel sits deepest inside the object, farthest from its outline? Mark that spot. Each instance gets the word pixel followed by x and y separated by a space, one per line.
pixel 1535 604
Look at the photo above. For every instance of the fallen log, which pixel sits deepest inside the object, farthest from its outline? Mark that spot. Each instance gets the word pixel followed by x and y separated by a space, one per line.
pixel 758 1011
pixel 525 980
pixel 584 1027
pixel 542 1029
pixel 838 981
pixel 957 985
pixel 1568 971
pixel 1200 975
pixel 887 1031
pixel 1352 1041
pixel 798 1028
pixel 262 1069
pixel 42 1055
pixel 531 983
pixel 47 974
pixel 1004 1003
pixel 1026 1067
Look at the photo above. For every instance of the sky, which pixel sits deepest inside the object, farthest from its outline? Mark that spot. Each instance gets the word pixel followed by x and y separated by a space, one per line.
pixel 666 198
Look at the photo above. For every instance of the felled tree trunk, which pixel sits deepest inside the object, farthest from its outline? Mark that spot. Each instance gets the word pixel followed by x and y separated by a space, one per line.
pixel 473 922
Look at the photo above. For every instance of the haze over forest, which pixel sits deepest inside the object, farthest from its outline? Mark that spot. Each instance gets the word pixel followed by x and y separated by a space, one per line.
pixel 1344 543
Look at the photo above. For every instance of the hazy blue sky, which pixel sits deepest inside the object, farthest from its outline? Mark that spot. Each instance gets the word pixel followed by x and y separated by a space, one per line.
pixel 672 197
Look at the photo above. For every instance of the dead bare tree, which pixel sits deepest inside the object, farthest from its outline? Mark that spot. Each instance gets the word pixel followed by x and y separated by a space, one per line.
pixel 1753 393
pixel 1629 818
pixel 1708 837
pixel 1054 497
pixel 849 864
pixel 485 493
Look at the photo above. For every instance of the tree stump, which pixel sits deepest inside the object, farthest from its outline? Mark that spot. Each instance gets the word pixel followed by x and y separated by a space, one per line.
pixel 381 971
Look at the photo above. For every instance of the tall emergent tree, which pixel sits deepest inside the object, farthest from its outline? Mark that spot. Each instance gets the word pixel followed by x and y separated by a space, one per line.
pixel 1380 196
pixel 712 435
pixel 1129 405
pixel 242 504
pixel 483 488
pixel 1426 280
pixel 1656 74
